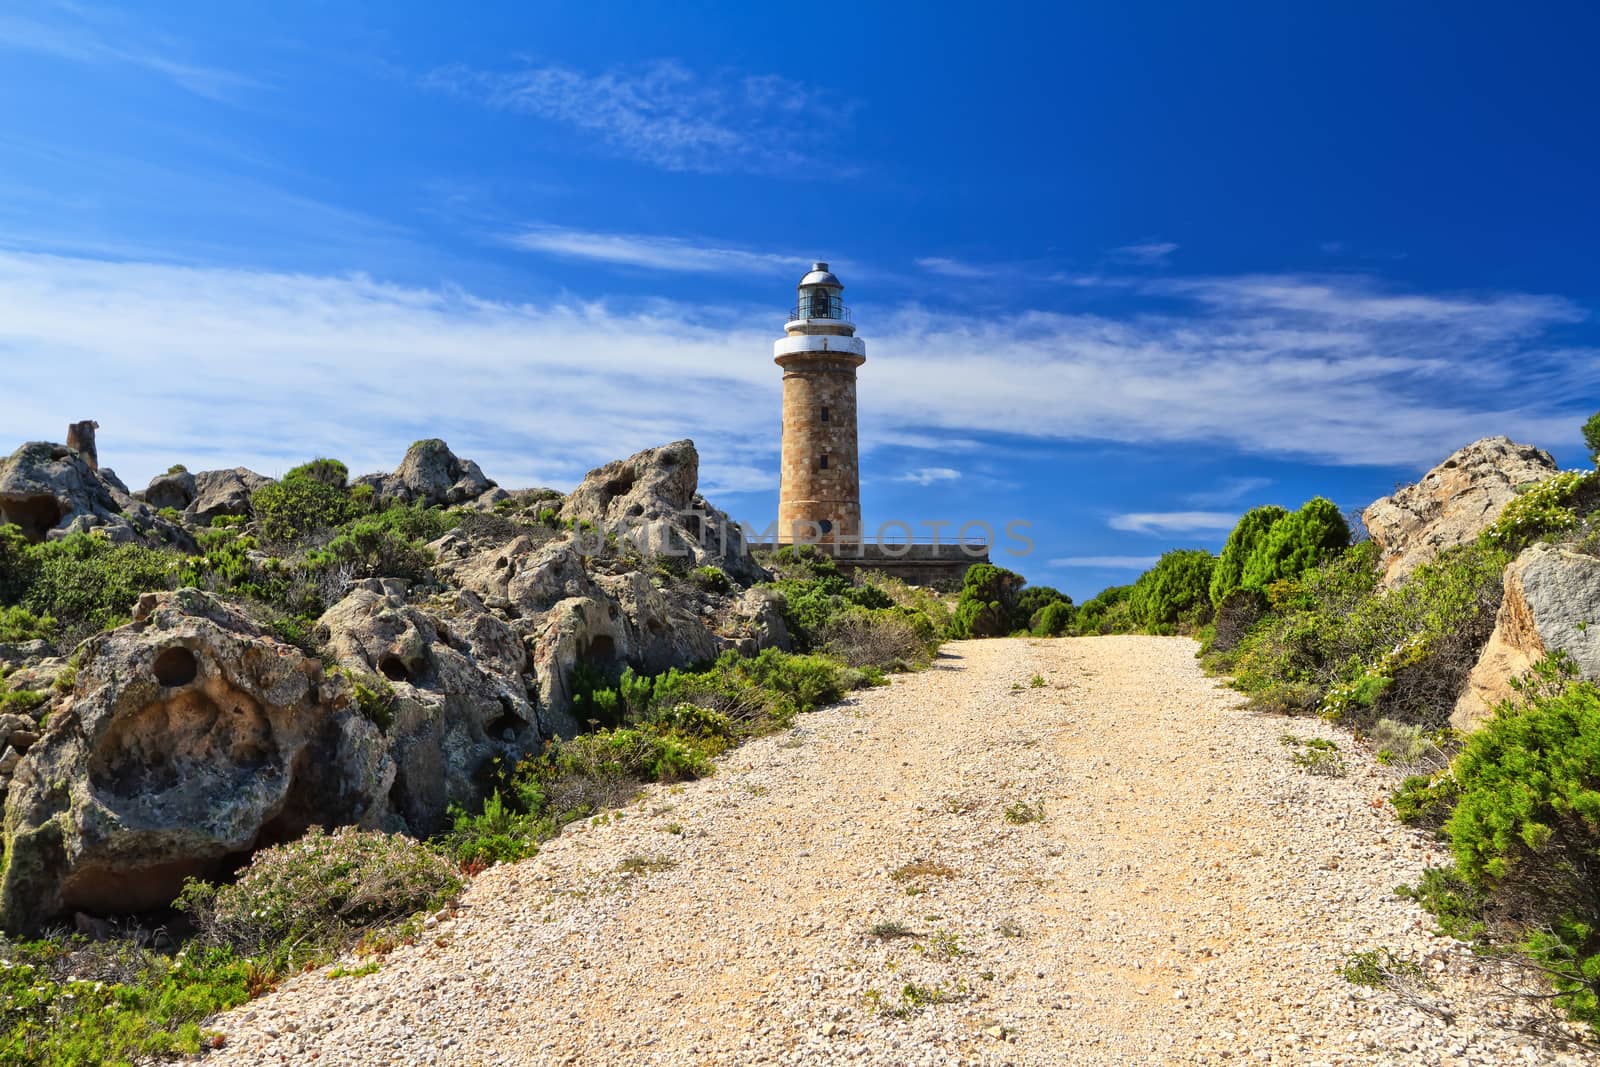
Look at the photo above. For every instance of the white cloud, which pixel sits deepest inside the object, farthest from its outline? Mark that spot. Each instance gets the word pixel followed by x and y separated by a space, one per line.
pixel 79 43
pixel 1230 490
pixel 1147 253
pixel 954 268
pixel 667 115
pixel 1110 563
pixel 929 475
pixel 214 367
pixel 1173 521
pixel 657 253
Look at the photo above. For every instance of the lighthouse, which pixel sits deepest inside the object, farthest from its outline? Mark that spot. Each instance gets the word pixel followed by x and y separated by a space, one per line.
pixel 819 498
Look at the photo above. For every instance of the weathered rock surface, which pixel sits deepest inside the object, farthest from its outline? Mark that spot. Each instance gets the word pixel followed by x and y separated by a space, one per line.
pixel 1551 604
pixel 430 474
pixel 192 739
pixel 175 489
pixel 223 492
pixel 461 694
pixel 46 488
pixel 650 500
pixel 1452 503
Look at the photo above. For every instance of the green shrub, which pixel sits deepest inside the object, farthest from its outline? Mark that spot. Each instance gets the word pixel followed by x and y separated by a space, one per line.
pixel 1242 542
pixel 88 584
pixel 147 1005
pixel 20 624
pixel 1053 620
pixel 313 897
pixel 1106 612
pixel 1591 436
pixel 499 833
pixel 1176 589
pixel 988 602
pixel 1296 543
pixel 1032 600
pixel 711 580
pixel 1541 510
pixel 310 497
pixel 1426 801
pixel 1525 833
pixel 889 639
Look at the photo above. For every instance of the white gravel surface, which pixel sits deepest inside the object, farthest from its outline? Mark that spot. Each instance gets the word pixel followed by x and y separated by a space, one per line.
pixel 1188 897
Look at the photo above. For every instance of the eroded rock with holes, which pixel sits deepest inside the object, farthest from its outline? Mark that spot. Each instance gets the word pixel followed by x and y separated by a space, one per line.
pixel 46 488
pixel 431 474
pixel 1551 604
pixel 651 500
pixel 461 697
pixel 193 738
pixel 1453 503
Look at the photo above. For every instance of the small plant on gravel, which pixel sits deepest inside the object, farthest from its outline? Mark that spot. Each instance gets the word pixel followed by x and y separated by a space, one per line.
pixel 359 971
pixel 1023 812
pixel 1037 682
pixel 915 997
pixel 1316 755
pixel 922 869
pixel 1009 928
pixel 887 931
pixel 1379 967
pixel 638 864
pixel 942 945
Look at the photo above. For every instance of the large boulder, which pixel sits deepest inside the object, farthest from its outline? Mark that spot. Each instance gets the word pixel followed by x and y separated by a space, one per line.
pixel 650 500
pixel 1551 604
pixel 48 489
pixel 223 492
pixel 175 489
pixel 430 474
pixel 1453 503
pixel 192 738
pixel 461 695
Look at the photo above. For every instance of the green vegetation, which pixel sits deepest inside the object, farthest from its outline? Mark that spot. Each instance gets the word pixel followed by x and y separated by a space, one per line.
pixel 1174 593
pixel 1246 537
pixel 1380 967
pixel 1296 543
pixel 994 603
pixel 879 624
pixel 1106 612
pixel 310 497
pixel 1591 436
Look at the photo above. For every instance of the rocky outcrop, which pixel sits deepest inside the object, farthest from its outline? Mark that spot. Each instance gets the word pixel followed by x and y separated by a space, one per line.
pixel 650 501
pixel 176 490
pixel 191 739
pixel 1453 503
pixel 431 474
pixel 224 492
pixel 1551 604
pixel 48 489
pixel 461 696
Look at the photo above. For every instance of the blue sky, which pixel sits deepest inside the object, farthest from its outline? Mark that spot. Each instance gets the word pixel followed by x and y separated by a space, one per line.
pixel 1123 269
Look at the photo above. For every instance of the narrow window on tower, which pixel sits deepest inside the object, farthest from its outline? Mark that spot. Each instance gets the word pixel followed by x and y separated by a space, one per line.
pixel 824 461
pixel 824 414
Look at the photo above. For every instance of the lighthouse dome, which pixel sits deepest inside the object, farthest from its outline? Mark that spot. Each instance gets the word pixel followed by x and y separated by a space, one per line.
pixel 819 274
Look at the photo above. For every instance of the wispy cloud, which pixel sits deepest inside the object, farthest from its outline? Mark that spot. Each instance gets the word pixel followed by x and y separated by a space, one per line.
pixel 665 114
pixel 1110 563
pixel 1145 253
pixel 539 393
pixel 954 268
pixel 656 253
pixel 929 475
pixel 1229 491
pixel 1166 522
pixel 80 43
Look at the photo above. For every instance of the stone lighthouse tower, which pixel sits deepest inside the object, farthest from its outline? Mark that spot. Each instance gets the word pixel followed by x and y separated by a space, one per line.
pixel 820 496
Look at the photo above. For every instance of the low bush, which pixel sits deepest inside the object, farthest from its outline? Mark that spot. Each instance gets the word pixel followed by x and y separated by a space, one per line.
pixel 1106 612
pixel 1174 593
pixel 1546 508
pixel 20 624
pixel 887 639
pixel 1295 543
pixel 1252 528
pixel 70 1002
pixel 1053 620
pixel 86 583
pixel 988 602
pixel 310 497
pixel 313 897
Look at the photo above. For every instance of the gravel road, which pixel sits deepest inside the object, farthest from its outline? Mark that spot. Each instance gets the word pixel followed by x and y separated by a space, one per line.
pixel 1121 865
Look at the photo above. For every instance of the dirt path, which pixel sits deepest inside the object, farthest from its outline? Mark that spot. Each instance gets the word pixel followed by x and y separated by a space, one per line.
pixel 1188 897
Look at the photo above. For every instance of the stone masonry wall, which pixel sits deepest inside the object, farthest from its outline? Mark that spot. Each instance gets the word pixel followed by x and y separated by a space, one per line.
pixel 809 493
